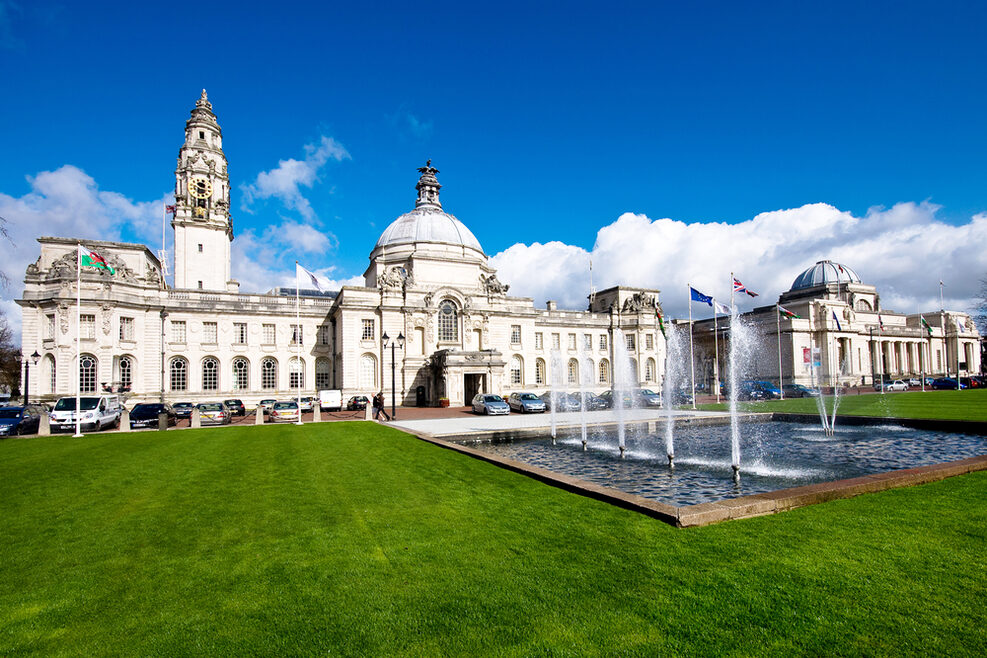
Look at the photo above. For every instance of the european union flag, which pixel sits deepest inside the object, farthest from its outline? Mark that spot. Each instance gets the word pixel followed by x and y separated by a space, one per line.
pixel 699 297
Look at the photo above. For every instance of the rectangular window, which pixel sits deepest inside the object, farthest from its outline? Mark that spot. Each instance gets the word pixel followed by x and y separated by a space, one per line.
pixel 539 341
pixel 515 334
pixel 200 248
pixel 630 343
pixel 296 335
pixel 368 330
pixel 603 342
pixel 240 333
pixel 270 334
pixel 200 285
pixel 210 333
pixel 50 326
pixel 587 341
pixel 178 331
pixel 323 337
pixel 572 341
pixel 556 344
pixel 87 328
pixel 649 341
pixel 126 328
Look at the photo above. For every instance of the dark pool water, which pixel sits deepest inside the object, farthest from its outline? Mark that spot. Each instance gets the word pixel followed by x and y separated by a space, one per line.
pixel 774 455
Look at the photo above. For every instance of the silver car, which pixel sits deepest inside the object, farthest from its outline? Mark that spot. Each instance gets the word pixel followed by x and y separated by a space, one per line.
pixel 490 404
pixel 526 403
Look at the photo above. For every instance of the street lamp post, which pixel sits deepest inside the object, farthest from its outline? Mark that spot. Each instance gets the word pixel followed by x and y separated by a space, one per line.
pixel 28 362
pixel 164 314
pixel 394 343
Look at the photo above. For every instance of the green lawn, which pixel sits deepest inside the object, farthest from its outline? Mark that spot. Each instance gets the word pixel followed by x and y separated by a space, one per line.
pixel 944 405
pixel 354 539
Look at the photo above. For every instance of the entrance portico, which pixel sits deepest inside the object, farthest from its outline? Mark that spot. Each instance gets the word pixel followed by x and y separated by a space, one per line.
pixel 461 374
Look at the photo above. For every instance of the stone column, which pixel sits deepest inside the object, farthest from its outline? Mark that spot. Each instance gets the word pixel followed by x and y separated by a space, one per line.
pixel 125 420
pixel 44 425
pixel 316 413
pixel 196 418
pixel 259 418
pixel 162 422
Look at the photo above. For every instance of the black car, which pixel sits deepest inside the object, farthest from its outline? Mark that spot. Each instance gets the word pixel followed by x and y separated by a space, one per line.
pixel 357 402
pixel 146 415
pixel 20 420
pixel 236 407
pixel 184 409
pixel 608 399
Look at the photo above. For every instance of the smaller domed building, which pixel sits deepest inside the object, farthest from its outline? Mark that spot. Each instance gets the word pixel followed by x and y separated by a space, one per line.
pixel 838 322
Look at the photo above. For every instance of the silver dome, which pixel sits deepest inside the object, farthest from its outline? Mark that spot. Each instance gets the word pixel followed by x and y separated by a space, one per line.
pixel 825 271
pixel 427 224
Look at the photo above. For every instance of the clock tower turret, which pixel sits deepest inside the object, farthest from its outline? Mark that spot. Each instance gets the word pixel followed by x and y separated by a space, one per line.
pixel 202 222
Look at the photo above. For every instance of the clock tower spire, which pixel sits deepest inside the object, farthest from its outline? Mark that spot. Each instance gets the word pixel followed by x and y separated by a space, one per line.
pixel 202 222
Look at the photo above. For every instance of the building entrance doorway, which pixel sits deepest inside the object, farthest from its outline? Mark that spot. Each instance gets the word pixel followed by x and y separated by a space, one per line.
pixel 472 384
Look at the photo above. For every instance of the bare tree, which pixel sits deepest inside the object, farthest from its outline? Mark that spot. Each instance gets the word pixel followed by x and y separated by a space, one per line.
pixel 10 359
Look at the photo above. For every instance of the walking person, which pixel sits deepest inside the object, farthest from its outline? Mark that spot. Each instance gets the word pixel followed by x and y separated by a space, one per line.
pixel 379 407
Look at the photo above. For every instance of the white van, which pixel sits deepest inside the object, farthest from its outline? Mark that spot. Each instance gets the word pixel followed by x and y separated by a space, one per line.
pixel 98 411
pixel 331 400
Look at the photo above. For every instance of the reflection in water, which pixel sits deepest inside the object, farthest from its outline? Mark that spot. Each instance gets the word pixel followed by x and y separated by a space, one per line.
pixel 777 456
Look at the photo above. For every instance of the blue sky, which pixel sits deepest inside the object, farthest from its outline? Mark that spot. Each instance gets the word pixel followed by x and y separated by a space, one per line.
pixel 548 121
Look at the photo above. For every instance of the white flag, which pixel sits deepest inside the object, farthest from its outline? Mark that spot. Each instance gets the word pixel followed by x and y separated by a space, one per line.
pixel 721 308
pixel 305 274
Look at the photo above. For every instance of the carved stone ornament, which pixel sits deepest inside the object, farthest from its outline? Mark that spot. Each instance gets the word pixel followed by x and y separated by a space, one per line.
pixel 107 317
pixel 969 325
pixel 63 318
pixel 394 277
pixel 33 267
pixel 848 314
pixel 493 286
pixel 638 302
pixel 467 307
pixel 429 296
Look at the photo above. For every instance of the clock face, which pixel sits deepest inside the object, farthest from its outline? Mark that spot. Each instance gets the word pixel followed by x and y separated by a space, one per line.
pixel 200 188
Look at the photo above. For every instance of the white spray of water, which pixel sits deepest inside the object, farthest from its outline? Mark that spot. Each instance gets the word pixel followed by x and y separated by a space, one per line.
pixel 621 378
pixel 674 375
pixel 741 350
pixel 554 382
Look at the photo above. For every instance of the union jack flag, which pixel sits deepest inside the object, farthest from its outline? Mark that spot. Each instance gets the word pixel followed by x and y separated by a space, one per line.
pixel 170 209
pixel 739 287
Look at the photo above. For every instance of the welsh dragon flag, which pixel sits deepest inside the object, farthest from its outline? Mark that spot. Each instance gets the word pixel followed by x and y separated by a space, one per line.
pixel 926 325
pixel 785 313
pixel 92 259
pixel 661 322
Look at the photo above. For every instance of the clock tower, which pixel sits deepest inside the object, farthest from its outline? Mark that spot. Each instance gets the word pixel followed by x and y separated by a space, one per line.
pixel 202 222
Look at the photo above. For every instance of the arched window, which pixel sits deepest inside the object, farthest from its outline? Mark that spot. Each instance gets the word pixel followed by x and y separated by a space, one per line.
pixel 604 371
pixel 632 370
pixel 126 372
pixel 296 373
pixel 863 305
pixel 649 370
pixel 448 322
pixel 87 373
pixel 573 371
pixel 540 371
pixel 321 374
pixel 368 372
pixel 178 374
pixel 517 370
pixel 210 374
pixel 49 371
pixel 241 374
pixel 269 374
pixel 588 370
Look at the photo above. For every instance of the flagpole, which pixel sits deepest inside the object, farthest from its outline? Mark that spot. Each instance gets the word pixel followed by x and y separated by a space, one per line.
pixel 716 353
pixel 781 374
pixel 78 347
pixel 298 347
pixel 692 356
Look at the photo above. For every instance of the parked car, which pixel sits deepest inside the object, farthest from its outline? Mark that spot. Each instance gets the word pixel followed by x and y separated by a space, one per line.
pixel 265 405
pixel 526 403
pixel 946 384
pixel 283 412
pixel 214 413
pixel 183 409
pixel 560 401
pixel 896 385
pixel 914 382
pixel 357 403
pixel 146 415
pixel 680 396
pixel 308 404
pixel 593 401
pixel 236 407
pixel 972 382
pixel 20 420
pixel 645 397
pixel 771 392
pixel 97 411
pixel 800 391
pixel 608 399
pixel 490 404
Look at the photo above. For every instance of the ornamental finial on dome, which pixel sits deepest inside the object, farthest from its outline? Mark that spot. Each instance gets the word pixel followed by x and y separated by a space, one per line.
pixel 428 187
pixel 203 102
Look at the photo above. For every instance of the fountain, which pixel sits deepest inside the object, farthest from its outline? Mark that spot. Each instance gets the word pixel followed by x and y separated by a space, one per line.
pixel 554 381
pixel 742 344
pixel 585 381
pixel 674 376
pixel 621 385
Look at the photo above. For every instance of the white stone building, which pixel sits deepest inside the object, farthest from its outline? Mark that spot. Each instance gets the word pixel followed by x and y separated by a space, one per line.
pixel 428 281
pixel 857 340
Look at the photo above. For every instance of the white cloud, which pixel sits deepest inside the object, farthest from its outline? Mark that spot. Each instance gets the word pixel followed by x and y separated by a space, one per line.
pixel 285 181
pixel 903 251
pixel 68 203
pixel 259 265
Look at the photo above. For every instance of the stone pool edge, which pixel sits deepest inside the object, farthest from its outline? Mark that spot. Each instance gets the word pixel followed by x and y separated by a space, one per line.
pixel 744 507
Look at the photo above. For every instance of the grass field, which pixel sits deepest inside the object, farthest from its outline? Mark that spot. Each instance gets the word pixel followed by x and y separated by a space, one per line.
pixel 944 405
pixel 355 539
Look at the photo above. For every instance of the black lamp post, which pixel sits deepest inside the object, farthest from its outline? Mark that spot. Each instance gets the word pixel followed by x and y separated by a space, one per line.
pixel 395 343
pixel 28 362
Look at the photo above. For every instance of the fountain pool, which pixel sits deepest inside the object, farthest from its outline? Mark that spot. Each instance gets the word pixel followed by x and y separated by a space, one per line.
pixel 778 455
